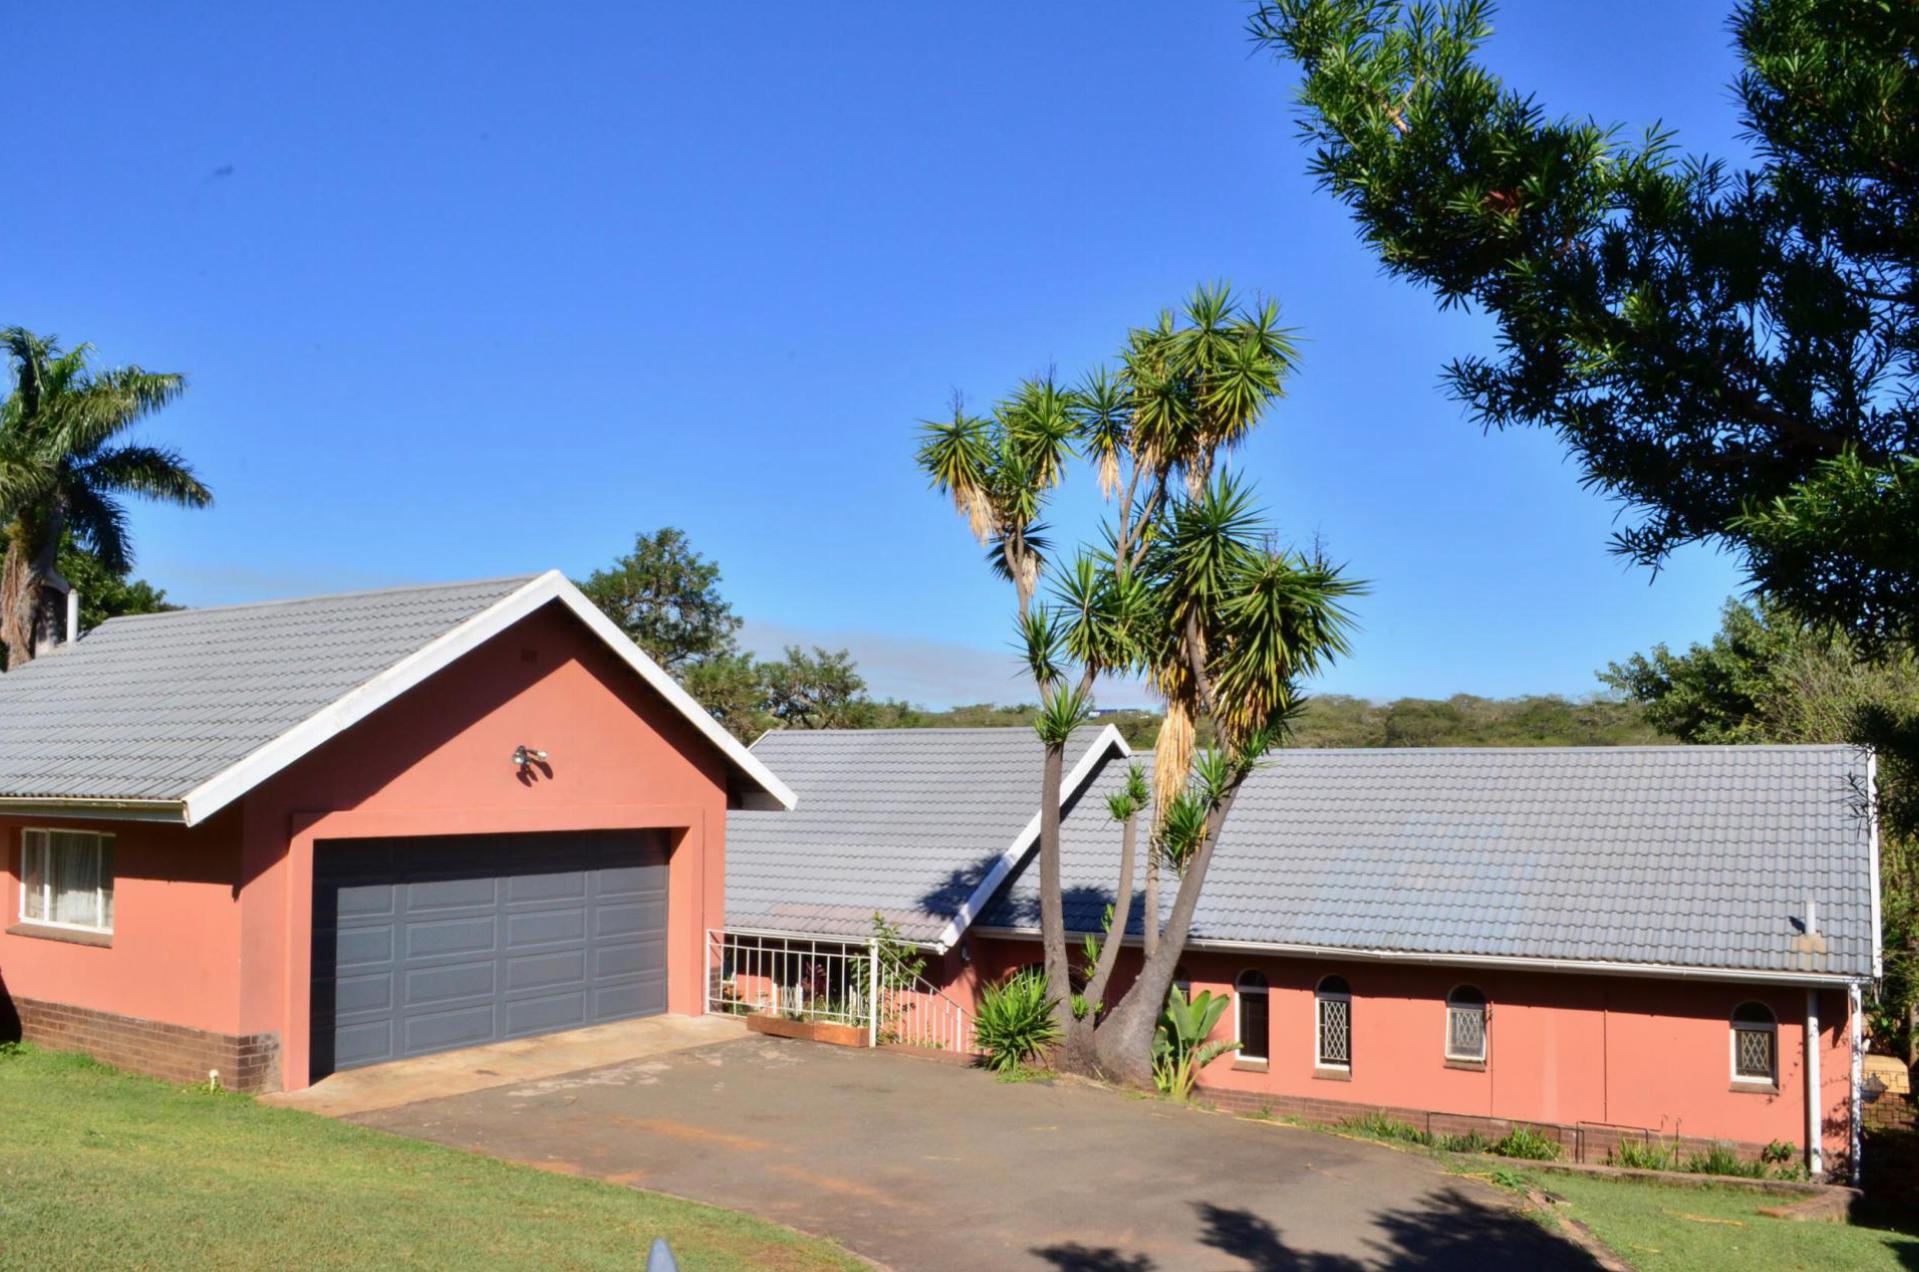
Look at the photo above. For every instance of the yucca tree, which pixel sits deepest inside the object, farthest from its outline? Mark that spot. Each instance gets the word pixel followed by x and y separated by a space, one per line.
pixel 1184 589
pixel 64 468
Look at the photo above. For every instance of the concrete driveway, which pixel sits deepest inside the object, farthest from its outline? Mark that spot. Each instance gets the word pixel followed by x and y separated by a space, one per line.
pixel 920 1165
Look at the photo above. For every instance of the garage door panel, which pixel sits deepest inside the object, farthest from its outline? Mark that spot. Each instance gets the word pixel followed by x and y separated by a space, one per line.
pixel 428 944
pixel 440 937
pixel 451 894
pixel 443 1031
pixel 546 971
pixel 362 993
pixel 616 919
pixel 546 1014
pixel 545 927
pixel 431 986
pixel 362 1044
pixel 629 958
pixel 567 886
pixel 362 947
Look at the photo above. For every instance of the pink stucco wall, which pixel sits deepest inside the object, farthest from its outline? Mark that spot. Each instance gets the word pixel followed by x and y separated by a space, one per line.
pixel 176 939
pixel 1605 1050
pixel 213 925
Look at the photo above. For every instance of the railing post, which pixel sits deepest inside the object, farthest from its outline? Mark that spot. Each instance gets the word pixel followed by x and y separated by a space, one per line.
pixel 873 993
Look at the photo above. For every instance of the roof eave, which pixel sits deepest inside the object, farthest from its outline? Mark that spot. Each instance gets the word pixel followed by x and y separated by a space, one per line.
pixel 171 811
pixel 1589 967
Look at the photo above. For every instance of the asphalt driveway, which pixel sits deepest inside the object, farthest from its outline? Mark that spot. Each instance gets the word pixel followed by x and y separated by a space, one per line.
pixel 920 1165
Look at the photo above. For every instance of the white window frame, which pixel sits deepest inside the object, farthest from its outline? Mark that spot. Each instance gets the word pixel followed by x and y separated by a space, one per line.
pixel 1735 1026
pixel 40 839
pixel 1264 1054
pixel 1485 1009
pixel 1321 996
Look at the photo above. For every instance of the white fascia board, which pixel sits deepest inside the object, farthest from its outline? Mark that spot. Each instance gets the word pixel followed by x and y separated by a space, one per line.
pixel 334 719
pixel 1581 966
pixel 169 811
pixel 1104 742
pixel 1872 856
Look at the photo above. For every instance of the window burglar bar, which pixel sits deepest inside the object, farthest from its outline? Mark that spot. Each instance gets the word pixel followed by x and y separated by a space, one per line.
pixel 1753 1050
pixel 1466 1033
pixel 1335 1032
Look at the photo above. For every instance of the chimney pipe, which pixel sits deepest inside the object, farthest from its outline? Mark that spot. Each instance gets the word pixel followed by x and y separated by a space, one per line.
pixel 73 615
pixel 1812 917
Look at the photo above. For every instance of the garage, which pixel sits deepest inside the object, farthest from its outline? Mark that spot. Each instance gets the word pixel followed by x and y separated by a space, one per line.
pixel 430 944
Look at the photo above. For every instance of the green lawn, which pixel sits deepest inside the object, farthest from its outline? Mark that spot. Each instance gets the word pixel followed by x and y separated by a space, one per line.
pixel 99 1168
pixel 1658 1228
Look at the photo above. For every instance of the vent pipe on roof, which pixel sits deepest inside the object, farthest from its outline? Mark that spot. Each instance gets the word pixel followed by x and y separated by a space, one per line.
pixel 73 616
pixel 1812 917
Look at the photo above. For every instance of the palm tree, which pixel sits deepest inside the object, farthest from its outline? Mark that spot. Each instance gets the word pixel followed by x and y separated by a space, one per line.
pixel 63 469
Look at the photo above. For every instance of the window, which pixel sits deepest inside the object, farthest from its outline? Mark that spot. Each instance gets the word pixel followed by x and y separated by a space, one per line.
pixel 1466 1024
pixel 1255 1024
pixel 1333 1024
pixel 66 879
pixel 1183 982
pixel 1755 1044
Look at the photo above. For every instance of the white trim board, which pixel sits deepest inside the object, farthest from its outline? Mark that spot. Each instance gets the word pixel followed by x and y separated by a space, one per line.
pixel 1105 741
pixel 334 719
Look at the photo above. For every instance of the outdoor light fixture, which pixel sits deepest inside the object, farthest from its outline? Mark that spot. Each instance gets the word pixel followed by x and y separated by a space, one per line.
pixel 524 756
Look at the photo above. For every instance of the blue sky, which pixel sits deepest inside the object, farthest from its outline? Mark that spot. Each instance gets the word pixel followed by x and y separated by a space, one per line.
pixel 469 291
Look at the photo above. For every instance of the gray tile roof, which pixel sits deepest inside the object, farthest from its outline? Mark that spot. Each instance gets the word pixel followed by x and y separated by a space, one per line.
pixel 907 822
pixel 1690 856
pixel 151 706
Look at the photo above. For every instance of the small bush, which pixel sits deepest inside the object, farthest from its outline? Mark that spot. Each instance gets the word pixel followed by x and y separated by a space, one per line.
pixel 1377 1125
pixel 1721 1160
pixel 1470 1142
pixel 10 1048
pixel 1529 1143
pixel 1015 1021
pixel 1779 1153
pixel 1644 1155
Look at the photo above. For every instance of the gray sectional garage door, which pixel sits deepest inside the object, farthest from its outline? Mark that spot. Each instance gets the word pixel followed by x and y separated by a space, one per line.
pixel 423 945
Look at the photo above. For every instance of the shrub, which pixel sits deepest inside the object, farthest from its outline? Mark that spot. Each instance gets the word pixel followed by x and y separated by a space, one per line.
pixel 1644 1155
pixel 1470 1142
pixel 1015 1021
pixel 1377 1125
pixel 1529 1143
pixel 1721 1160
pixel 1779 1153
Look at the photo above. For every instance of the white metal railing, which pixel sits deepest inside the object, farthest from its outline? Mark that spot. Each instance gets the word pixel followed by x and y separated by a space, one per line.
pixel 842 982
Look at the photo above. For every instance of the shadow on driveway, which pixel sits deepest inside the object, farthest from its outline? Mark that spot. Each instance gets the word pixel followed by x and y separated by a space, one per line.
pixel 925 1166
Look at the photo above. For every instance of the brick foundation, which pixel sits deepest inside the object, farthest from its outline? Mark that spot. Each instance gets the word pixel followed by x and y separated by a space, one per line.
pixel 1589 1142
pixel 249 1062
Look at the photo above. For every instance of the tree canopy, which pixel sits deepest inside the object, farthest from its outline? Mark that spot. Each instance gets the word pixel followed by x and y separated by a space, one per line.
pixel 1730 351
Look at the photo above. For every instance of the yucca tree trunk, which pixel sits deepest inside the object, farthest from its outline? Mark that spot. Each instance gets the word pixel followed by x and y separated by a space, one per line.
pixel 1123 1043
pixel 1077 1053
pixel 1052 909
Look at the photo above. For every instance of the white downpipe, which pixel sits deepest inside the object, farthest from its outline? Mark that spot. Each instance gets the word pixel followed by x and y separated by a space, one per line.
pixel 1815 1129
pixel 1857 1030
pixel 873 993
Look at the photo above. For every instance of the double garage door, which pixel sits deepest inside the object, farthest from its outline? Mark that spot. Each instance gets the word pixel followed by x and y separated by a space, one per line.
pixel 428 944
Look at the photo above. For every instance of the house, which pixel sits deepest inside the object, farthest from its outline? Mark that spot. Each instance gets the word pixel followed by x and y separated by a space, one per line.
pixel 271 841
pixel 1603 943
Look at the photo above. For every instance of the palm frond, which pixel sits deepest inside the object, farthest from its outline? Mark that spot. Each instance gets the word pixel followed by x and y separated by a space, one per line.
pixel 153 472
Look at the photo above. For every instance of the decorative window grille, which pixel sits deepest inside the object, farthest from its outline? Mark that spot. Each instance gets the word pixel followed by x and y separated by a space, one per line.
pixel 1333 1032
pixel 1755 1041
pixel 1465 1024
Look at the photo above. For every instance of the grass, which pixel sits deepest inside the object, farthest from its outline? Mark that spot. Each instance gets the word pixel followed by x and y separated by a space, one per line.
pixel 1659 1228
pixel 98 1167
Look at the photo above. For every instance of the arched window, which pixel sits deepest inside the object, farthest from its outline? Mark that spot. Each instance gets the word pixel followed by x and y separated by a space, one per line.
pixel 1755 1044
pixel 1255 1022
pixel 1333 1024
pixel 1466 1024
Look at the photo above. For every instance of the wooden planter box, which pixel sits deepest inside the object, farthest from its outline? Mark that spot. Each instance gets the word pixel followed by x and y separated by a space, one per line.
pixel 810 1030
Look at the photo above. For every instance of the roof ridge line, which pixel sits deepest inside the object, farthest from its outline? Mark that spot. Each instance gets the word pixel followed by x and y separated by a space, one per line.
pixel 322 596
